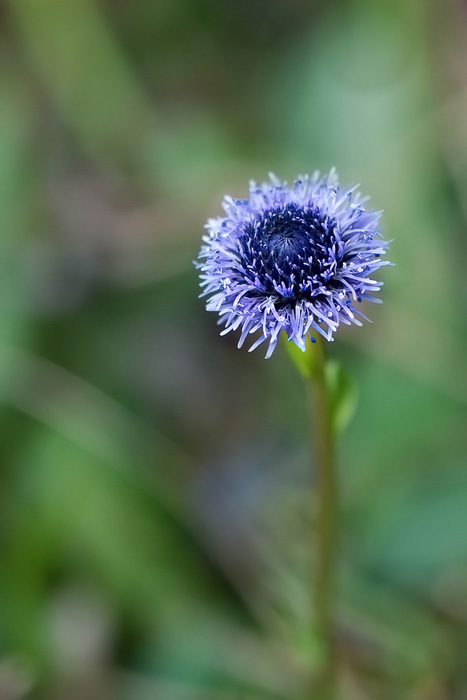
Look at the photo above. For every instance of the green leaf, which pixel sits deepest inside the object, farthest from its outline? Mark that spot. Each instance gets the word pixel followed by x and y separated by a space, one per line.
pixel 341 387
pixel 343 393
pixel 308 363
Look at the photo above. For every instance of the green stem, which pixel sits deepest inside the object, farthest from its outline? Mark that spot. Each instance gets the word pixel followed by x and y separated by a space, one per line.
pixel 325 524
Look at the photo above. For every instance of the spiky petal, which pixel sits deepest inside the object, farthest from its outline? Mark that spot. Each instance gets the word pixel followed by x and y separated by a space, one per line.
pixel 297 259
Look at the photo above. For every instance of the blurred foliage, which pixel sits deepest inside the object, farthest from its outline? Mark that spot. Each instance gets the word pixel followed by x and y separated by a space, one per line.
pixel 154 500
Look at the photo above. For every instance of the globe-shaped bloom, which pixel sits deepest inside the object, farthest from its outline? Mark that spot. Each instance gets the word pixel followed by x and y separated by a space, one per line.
pixel 297 259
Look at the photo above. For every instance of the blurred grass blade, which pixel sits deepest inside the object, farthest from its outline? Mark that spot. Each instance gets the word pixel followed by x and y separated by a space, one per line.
pixel 80 62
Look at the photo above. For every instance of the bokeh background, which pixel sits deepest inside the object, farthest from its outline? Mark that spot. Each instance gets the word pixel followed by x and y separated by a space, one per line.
pixel 155 527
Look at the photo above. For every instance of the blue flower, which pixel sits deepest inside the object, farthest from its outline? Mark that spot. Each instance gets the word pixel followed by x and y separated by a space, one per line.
pixel 297 259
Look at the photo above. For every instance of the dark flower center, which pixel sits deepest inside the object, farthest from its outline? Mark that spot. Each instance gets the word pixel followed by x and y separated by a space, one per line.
pixel 291 250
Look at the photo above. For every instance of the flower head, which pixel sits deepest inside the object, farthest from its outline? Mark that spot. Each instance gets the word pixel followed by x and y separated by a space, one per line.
pixel 297 259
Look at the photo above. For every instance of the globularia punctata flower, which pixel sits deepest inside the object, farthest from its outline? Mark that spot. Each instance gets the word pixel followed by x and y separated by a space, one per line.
pixel 297 259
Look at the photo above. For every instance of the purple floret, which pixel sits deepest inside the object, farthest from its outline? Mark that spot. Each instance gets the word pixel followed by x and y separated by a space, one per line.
pixel 296 259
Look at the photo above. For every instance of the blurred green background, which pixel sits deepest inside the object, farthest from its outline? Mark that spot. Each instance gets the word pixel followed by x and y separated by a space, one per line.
pixel 154 502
